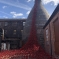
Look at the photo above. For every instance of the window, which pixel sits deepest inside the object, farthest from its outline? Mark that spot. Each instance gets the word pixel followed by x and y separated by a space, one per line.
pixel 46 31
pixel 47 38
pixel 47 34
pixel 0 23
pixel 23 23
pixel 14 23
pixel 14 32
pixel 21 31
pixel 6 23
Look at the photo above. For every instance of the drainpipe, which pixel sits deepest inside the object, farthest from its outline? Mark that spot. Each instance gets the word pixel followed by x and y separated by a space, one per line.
pixel 3 35
pixel 50 39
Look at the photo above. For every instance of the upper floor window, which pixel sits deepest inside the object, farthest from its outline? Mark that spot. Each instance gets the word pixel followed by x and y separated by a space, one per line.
pixel 14 23
pixel 46 31
pixel 6 23
pixel 14 32
pixel 23 23
pixel 47 36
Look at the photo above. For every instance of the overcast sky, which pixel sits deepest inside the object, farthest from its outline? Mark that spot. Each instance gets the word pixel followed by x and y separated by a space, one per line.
pixel 21 8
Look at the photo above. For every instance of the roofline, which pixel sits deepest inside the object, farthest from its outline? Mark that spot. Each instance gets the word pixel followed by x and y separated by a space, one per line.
pixel 53 14
pixel 12 19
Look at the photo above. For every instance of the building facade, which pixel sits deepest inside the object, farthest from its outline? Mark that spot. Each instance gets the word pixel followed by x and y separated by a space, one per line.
pixel 11 33
pixel 51 34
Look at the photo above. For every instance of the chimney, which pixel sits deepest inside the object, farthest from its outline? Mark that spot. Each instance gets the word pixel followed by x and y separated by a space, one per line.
pixel 37 1
pixel 40 19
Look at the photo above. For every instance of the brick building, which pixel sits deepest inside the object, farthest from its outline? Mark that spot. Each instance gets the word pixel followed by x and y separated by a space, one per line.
pixel 11 33
pixel 51 34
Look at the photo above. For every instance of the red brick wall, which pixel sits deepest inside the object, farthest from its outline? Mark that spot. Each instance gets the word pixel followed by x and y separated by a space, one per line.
pixel 51 36
pixel 47 40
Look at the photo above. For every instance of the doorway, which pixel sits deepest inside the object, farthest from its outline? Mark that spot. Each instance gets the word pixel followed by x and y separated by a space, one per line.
pixel 56 33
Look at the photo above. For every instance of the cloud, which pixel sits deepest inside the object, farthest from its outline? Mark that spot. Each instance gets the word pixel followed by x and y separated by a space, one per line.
pixel 16 14
pixel 28 0
pixel 15 4
pixel 28 12
pixel 5 17
pixel 4 7
pixel 13 12
pixel 23 17
pixel 5 13
pixel 48 1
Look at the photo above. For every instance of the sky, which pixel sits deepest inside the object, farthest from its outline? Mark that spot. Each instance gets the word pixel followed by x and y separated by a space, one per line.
pixel 22 8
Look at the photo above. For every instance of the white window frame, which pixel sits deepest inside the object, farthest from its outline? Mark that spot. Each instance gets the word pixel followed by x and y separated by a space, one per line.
pixel 23 23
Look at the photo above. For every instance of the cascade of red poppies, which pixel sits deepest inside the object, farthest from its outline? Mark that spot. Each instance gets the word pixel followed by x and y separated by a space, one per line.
pixel 31 50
